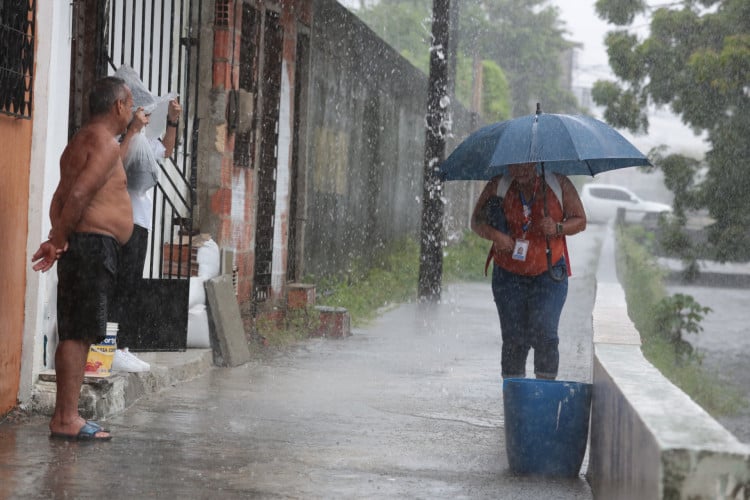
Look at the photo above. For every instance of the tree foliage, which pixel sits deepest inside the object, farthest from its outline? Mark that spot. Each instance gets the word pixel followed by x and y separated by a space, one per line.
pixel 519 43
pixel 696 59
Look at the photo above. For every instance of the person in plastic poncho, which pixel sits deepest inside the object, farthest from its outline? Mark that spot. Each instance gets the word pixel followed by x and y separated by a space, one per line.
pixel 139 154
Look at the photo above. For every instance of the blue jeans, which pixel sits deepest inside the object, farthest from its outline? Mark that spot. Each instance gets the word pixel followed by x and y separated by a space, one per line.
pixel 529 308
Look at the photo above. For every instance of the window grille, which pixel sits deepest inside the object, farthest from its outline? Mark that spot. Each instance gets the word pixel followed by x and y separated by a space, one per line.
pixel 249 49
pixel 222 14
pixel 244 141
pixel 16 57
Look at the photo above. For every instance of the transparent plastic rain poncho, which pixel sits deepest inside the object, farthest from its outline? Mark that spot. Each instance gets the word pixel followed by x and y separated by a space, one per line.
pixel 140 162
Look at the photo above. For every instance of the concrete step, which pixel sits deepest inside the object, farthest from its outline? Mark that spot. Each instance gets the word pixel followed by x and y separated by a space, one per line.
pixel 102 397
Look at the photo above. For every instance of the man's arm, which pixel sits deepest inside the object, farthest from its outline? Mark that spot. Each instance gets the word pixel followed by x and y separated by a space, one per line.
pixel 55 207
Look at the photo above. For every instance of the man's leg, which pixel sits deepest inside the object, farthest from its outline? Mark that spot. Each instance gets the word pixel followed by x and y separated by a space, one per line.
pixel 70 365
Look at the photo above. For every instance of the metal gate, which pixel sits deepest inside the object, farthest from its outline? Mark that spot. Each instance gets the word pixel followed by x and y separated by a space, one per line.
pixel 159 39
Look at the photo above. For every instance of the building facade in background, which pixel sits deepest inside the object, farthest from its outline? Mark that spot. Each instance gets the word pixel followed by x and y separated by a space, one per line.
pixel 300 148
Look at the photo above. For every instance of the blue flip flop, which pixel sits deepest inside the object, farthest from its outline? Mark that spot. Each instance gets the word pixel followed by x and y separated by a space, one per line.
pixel 102 429
pixel 86 433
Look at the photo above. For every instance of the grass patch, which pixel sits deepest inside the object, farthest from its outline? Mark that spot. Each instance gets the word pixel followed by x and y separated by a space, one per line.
pixel 388 279
pixel 274 329
pixel 370 286
pixel 646 295
pixel 391 278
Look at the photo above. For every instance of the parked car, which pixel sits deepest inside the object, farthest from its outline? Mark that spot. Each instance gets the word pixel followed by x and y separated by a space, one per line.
pixel 601 202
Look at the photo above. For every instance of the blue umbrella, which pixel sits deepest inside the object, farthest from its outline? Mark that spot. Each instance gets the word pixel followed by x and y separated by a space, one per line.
pixel 567 144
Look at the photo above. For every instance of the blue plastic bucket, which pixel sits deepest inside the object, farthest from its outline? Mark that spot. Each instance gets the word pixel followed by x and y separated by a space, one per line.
pixel 546 425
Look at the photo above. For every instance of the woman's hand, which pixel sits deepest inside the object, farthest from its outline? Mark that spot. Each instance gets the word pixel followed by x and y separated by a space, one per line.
pixel 140 120
pixel 174 111
pixel 548 226
pixel 503 243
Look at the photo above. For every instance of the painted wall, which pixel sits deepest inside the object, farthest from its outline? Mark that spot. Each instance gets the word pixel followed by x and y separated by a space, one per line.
pixel 30 176
pixel 15 143
pixel 49 137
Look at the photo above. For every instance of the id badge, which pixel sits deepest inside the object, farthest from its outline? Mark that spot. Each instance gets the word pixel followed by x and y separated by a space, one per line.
pixel 519 252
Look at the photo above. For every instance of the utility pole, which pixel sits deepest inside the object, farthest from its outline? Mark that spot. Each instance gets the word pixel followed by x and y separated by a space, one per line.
pixel 439 93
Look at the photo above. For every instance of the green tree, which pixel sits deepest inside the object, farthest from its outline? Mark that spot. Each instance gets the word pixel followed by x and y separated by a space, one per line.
pixel 519 42
pixel 696 59
pixel 496 95
pixel 405 25
pixel 526 38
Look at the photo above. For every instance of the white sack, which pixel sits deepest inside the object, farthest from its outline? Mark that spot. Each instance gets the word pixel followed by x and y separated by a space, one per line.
pixel 209 260
pixel 197 292
pixel 197 332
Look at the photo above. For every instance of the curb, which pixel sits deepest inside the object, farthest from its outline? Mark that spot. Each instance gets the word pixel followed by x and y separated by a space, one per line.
pixel 104 397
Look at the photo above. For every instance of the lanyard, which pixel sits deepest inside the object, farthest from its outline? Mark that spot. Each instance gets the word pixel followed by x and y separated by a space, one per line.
pixel 527 206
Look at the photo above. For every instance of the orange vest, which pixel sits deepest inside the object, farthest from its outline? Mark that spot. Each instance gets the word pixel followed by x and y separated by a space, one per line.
pixel 536 256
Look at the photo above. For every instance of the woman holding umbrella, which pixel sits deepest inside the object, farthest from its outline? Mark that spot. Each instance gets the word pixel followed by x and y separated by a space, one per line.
pixel 529 280
pixel 539 211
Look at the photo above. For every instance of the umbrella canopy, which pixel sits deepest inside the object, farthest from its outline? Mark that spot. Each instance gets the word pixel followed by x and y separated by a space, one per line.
pixel 567 144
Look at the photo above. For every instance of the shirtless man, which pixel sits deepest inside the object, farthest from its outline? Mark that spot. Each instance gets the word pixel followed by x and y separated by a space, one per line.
pixel 91 219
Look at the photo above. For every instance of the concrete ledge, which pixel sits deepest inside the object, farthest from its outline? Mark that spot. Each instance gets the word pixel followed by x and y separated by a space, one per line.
pixel 104 397
pixel 610 320
pixel 648 438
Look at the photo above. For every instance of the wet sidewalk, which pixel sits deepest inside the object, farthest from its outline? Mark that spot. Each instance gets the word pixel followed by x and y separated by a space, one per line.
pixel 409 407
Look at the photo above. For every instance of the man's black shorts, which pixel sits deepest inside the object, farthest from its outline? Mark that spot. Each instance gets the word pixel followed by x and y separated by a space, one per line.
pixel 86 273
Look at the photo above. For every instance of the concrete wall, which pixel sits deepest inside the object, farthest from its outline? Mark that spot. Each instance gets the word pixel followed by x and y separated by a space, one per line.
pixel 648 438
pixel 365 136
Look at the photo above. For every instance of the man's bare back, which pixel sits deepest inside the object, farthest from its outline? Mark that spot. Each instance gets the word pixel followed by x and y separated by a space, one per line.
pixel 92 195
pixel 90 167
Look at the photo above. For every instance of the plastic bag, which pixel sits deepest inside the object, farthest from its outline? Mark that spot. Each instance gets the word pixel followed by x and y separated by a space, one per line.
pixel 140 164
pixel 141 95
pixel 156 106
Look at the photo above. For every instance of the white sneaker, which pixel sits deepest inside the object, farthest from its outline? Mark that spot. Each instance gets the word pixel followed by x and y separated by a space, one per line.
pixel 145 365
pixel 126 361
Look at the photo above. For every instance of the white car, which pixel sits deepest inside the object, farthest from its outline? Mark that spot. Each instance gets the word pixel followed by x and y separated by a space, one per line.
pixel 601 202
